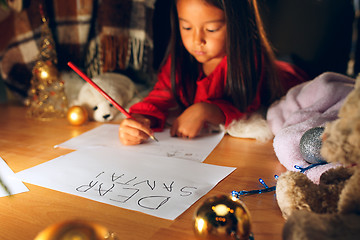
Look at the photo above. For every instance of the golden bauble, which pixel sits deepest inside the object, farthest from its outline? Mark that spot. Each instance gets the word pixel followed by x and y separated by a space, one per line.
pixel 222 217
pixel 75 230
pixel 77 115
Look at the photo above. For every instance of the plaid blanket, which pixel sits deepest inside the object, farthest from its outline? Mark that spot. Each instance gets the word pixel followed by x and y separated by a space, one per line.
pixel 97 35
pixel 122 38
pixel 19 48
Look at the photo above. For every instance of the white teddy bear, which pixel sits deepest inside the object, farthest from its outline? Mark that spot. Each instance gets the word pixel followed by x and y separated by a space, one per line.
pixel 118 86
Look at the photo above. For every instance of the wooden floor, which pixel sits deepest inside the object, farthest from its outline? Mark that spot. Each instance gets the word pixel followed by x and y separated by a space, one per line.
pixel 25 143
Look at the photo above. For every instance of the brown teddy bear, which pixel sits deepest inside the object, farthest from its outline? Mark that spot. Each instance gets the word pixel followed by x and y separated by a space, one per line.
pixel 330 209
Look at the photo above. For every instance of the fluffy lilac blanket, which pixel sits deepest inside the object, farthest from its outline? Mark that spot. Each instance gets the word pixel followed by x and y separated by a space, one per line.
pixel 305 106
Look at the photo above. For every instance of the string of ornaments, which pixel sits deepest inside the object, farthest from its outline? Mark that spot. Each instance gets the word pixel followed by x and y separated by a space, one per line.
pixel 46 97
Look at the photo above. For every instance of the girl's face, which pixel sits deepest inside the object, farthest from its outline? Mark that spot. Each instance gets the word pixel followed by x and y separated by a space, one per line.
pixel 203 30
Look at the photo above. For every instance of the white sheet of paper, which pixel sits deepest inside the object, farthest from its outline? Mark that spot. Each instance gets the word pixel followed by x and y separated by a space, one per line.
pixel 150 184
pixel 9 178
pixel 106 135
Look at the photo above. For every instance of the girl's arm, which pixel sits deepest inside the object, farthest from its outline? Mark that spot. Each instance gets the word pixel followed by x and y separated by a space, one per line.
pixel 195 117
pixel 232 113
pixel 158 102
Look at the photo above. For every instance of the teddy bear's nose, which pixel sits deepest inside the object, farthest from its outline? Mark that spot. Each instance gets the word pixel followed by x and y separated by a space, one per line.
pixel 106 116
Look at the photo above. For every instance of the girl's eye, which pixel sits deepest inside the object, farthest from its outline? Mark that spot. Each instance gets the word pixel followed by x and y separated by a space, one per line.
pixel 186 28
pixel 214 27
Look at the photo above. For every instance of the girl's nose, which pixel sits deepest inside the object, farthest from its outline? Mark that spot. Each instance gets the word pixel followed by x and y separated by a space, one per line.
pixel 198 38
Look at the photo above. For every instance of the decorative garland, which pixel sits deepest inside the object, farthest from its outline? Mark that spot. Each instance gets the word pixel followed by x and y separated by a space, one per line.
pixel 237 194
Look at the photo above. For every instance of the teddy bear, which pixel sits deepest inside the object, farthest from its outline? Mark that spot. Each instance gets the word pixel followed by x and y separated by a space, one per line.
pixel 329 209
pixel 118 86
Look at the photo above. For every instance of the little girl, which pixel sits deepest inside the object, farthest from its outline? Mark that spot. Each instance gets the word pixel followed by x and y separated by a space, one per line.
pixel 218 67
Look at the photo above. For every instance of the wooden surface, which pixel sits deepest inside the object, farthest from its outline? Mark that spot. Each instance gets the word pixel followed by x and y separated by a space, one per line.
pixel 26 142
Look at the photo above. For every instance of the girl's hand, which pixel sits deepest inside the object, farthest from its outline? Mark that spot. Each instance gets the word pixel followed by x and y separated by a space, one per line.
pixel 136 130
pixel 192 120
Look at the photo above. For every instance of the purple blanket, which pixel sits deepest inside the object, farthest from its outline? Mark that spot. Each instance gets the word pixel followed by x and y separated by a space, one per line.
pixel 305 106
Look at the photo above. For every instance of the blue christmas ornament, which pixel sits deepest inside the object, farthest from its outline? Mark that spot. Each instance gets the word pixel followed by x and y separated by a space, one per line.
pixel 310 145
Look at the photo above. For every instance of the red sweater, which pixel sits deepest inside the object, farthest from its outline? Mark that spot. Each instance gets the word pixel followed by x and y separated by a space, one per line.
pixel 209 89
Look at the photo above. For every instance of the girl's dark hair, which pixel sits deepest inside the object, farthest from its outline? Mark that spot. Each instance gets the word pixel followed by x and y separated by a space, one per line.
pixel 249 56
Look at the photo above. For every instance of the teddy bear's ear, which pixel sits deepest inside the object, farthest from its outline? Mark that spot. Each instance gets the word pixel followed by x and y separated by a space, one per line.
pixel 85 94
pixel 72 85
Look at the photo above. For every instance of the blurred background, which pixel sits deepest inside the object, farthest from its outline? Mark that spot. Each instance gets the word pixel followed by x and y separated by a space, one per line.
pixel 316 35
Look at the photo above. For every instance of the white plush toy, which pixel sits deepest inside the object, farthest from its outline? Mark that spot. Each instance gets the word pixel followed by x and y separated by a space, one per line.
pixel 118 86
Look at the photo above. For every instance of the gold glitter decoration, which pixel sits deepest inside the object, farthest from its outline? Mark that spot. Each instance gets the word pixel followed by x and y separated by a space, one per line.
pixel 46 96
pixel 76 230
pixel 222 217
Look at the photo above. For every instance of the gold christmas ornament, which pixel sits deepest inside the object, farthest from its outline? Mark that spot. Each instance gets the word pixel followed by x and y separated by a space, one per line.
pixel 222 217
pixel 46 72
pixel 77 115
pixel 46 96
pixel 76 230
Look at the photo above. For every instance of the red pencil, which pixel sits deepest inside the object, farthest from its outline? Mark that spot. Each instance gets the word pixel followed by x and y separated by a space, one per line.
pixel 86 78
